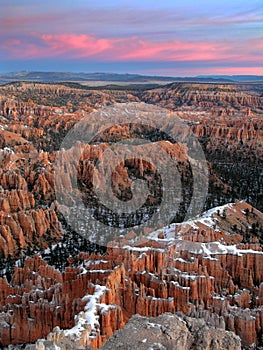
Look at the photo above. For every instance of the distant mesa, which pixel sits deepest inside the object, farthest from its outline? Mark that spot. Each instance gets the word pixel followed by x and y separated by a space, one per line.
pixel 120 78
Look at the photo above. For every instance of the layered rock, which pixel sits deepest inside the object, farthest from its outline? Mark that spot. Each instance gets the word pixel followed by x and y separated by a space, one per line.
pixel 204 95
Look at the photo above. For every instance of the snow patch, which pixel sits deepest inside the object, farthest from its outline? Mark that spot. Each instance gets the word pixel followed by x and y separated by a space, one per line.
pixel 213 248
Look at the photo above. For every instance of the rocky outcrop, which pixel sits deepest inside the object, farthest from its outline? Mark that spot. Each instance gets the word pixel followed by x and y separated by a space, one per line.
pixel 203 95
pixel 170 331
pixel 22 227
pixel 26 189
pixel 225 117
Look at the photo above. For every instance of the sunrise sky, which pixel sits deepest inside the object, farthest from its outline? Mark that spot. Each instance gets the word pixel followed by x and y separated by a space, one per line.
pixel 169 37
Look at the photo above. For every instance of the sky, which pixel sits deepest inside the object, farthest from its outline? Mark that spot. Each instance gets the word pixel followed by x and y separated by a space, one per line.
pixel 168 37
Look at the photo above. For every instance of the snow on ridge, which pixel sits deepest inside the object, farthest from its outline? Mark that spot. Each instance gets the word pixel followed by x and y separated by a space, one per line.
pixel 84 271
pixel 214 210
pixel 142 249
pixel 90 315
pixel 206 218
pixel 78 328
pixel 91 307
pixel 179 286
pixel 213 248
pixel 174 232
pixel 95 262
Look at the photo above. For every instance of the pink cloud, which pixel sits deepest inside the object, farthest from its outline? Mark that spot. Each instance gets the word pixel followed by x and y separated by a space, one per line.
pixel 173 50
pixel 135 49
pixel 76 45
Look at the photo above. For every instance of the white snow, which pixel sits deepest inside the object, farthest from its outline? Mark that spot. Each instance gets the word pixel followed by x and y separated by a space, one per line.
pixel 181 260
pixel 219 297
pixel 179 286
pixel 193 277
pixel 213 248
pixel 96 271
pixel 91 306
pixel 173 235
pixel 173 231
pixel 142 249
pixel 153 325
pixel 78 328
pixel 168 232
pixel 95 262
pixel 90 315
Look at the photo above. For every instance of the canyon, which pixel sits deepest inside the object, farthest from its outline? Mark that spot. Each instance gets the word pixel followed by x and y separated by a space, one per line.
pixel 61 290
